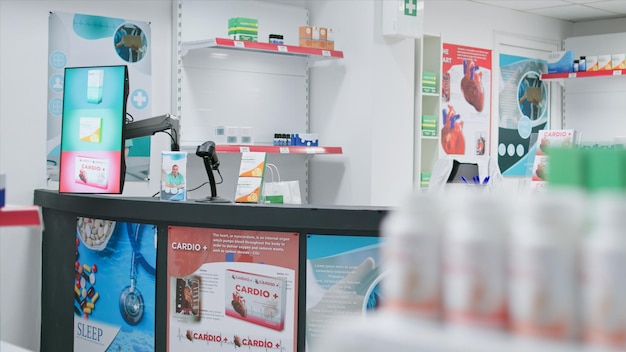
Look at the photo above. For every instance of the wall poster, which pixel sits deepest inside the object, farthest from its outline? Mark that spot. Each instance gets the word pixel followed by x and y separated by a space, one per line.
pixel 343 275
pixel 524 111
pixel 465 101
pixel 232 289
pixel 78 40
pixel 114 286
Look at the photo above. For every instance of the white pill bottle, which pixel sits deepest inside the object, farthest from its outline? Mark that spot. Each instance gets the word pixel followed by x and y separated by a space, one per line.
pixel 543 288
pixel 411 257
pixel 604 274
pixel 474 260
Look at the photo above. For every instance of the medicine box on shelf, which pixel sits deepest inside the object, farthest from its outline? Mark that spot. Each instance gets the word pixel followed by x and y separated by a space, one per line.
pixel 561 61
pixel 429 126
pixel 429 82
pixel 305 139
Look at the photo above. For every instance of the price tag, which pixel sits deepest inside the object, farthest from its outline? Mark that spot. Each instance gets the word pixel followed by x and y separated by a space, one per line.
pixel 572 75
pixel 310 150
pixel 244 149
pixel 617 73
pixel 282 49
pixel 325 53
pixel 239 44
pixel 284 150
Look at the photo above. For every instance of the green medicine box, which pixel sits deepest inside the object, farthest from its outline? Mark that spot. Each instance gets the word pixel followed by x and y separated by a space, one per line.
pixel 429 126
pixel 429 82
pixel 241 28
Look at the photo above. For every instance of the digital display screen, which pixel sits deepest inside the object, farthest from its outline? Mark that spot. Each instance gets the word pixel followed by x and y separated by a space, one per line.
pixel 92 134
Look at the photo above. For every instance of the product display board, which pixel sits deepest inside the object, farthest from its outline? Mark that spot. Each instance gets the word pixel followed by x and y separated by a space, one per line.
pixel 465 117
pixel 92 144
pixel 343 276
pixel 114 286
pixel 229 289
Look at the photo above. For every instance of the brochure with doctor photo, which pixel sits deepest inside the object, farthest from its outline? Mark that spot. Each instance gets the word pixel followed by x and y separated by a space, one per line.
pixel 174 176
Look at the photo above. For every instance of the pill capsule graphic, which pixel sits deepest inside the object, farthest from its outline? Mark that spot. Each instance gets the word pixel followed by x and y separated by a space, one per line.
pixel 84 293
pixel 86 267
pixel 92 278
pixel 82 282
pixel 90 305
pixel 95 297
pixel 83 304
pixel 76 291
pixel 90 292
pixel 76 310
pixel 87 310
pixel 94 267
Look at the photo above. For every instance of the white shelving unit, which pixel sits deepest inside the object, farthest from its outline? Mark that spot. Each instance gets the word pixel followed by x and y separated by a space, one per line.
pixel 593 102
pixel 225 82
pixel 426 147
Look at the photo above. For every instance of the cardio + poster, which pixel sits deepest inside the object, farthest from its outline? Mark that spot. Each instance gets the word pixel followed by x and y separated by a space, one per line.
pixel 114 286
pixel 343 275
pixel 232 289
pixel 465 101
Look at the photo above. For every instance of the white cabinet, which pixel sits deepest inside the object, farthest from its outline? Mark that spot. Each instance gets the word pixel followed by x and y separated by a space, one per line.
pixel 263 87
pixel 427 104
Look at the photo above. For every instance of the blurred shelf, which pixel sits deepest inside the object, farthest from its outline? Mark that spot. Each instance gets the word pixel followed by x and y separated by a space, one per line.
pixel 603 73
pixel 223 43
pixel 275 149
pixel 20 216
pixel 190 148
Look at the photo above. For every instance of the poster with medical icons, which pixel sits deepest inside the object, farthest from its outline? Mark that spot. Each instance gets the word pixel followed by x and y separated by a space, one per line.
pixel 524 110
pixel 343 276
pixel 82 40
pixel 114 286
pixel 232 289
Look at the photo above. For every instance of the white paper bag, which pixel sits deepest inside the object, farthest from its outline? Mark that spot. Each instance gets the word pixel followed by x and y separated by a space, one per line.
pixel 274 189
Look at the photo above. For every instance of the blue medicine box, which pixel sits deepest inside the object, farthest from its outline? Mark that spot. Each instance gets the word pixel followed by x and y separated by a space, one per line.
pixel 305 139
pixel 2 189
pixel 561 61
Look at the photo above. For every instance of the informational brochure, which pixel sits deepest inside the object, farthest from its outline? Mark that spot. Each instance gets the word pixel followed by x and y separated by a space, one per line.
pixel 545 140
pixel 230 289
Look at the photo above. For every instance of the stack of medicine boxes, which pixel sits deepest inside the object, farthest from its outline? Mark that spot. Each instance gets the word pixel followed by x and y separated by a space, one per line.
pixel 240 28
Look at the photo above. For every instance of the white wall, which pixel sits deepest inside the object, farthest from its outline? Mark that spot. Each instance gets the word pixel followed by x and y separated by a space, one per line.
pixel 23 104
pixel 599 27
pixel 364 104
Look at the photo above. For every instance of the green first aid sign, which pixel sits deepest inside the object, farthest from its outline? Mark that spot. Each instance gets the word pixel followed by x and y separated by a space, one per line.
pixel 410 7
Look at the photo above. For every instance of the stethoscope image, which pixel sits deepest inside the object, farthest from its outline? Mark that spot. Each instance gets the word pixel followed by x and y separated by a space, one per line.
pixel 131 300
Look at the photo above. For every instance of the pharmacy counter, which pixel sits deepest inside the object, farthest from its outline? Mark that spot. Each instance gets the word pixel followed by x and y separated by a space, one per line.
pixel 61 257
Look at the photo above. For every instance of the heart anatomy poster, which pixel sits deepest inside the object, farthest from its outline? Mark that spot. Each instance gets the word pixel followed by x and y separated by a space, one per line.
pixel 465 118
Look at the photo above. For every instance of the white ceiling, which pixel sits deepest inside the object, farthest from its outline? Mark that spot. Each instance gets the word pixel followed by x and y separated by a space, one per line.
pixel 568 10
